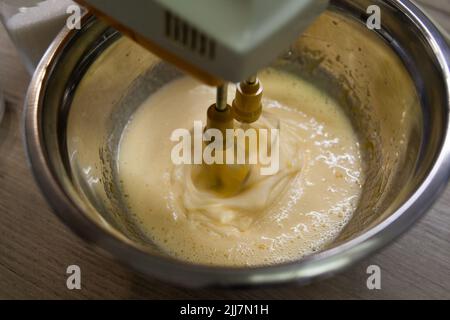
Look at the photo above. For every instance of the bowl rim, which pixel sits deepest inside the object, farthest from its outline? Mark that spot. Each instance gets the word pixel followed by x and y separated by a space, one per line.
pixel 302 271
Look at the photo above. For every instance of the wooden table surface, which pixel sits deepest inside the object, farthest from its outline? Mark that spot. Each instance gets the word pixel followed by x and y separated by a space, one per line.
pixel 36 248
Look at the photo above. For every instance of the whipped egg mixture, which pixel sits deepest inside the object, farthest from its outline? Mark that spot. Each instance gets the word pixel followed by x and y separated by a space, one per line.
pixel 274 218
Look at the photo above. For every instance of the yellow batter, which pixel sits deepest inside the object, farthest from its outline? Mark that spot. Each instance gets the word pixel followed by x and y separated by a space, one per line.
pixel 274 218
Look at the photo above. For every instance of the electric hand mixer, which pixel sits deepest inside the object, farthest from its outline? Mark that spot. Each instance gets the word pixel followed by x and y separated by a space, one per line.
pixel 216 41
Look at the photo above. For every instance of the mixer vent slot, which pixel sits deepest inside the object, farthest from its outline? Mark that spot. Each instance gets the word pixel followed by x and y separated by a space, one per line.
pixel 189 37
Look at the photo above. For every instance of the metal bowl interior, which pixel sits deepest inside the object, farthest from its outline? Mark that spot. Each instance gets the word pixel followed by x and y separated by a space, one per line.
pixel 393 83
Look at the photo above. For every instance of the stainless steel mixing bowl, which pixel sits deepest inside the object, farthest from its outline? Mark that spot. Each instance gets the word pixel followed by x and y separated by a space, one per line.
pixel 394 83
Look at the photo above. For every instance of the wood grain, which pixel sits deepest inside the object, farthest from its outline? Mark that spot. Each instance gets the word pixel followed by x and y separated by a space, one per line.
pixel 36 248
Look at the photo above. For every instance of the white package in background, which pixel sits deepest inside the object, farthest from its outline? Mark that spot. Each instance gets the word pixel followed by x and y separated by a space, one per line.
pixel 33 24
